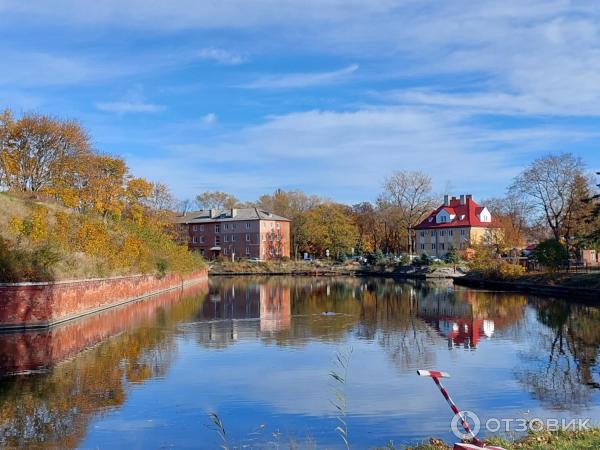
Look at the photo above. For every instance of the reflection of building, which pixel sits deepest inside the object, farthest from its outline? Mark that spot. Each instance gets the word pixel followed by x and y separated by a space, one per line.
pixel 238 312
pixel 455 320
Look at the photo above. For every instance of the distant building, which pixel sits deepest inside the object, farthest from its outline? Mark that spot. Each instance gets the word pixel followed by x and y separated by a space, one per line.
pixel 458 223
pixel 243 232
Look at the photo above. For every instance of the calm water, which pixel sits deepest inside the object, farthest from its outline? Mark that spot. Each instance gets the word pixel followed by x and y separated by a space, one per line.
pixel 258 351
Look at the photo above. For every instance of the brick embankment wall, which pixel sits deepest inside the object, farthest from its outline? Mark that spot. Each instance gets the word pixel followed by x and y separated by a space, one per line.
pixel 36 350
pixel 34 305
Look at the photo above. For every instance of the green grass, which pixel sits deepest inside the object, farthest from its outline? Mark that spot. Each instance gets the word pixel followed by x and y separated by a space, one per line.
pixel 561 440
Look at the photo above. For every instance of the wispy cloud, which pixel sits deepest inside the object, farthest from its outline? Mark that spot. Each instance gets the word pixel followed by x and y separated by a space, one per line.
pixel 221 56
pixel 209 119
pixel 301 80
pixel 123 107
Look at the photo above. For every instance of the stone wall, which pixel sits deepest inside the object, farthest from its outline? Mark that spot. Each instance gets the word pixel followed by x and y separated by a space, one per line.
pixel 30 305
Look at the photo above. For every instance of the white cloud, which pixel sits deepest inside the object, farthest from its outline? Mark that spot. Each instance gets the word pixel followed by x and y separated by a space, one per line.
pixel 300 80
pixel 209 119
pixel 221 56
pixel 123 107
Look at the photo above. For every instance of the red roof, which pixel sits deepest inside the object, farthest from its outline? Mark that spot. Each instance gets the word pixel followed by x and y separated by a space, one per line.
pixel 466 215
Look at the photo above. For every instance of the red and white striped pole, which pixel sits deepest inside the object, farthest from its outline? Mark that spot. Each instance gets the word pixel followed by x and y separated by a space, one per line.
pixel 436 375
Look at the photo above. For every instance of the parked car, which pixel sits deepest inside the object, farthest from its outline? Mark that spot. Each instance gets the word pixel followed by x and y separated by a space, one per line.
pixel 254 260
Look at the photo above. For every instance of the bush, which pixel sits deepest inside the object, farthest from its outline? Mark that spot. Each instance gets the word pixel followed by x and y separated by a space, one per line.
pixel 551 254
pixel 161 268
pixel 27 265
pixel 377 257
pixel 508 271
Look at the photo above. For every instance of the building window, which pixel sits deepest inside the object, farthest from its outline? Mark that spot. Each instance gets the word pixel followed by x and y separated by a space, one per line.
pixel 277 225
pixel 202 239
pixel 233 238
pixel 217 228
pixel 450 232
pixel 217 240
pixel 442 246
pixel 233 226
pixel 463 232
pixel 225 238
pixel 247 225
pixel 195 228
pixel 226 226
pixel 194 240
pixel 225 251
pixel 422 234
pixel 201 227
pixel 247 237
pixel 422 246
pixel 432 246
pixel 443 233
pixel 247 250
pixel 432 233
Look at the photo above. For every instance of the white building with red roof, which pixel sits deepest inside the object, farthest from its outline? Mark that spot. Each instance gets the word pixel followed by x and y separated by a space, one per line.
pixel 458 223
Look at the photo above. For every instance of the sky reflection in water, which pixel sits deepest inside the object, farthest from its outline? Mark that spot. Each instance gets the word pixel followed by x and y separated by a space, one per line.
pixel 258 351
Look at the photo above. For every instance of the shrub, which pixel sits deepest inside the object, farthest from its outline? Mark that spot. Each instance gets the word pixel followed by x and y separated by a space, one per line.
pixel 551 254
pixel 161 268
pixel 508 271
pixel 378 257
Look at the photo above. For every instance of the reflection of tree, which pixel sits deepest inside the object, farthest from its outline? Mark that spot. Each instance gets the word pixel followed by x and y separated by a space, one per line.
pixel 563 354
pixel 53 409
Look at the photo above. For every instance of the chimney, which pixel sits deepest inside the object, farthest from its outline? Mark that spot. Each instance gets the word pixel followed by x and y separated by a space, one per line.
pixel 213 213
pixel 469 197
pixel 446 200
pixel 233 212
pixel 462 199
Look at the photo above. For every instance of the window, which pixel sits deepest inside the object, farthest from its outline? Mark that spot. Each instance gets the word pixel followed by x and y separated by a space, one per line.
pixel 264 225
pixel 442 246
pixel 194 240
pixel 247 225
pixel 201 227
pixel 217 240
pixel 277 225
pixel 450 232
pixel 264 237
pixel 225 251
pixel 422 246
pixel 233 238
pixel 432 246
pixel 247 250
pixel 247 237
pixel 226 226
pixel 422 234
pixel 443 233
pixel 233 226
pixel 217 228
pixel 463 232
pixel 225 238
pixel 202 239
pixel 432 233
pixel 195 228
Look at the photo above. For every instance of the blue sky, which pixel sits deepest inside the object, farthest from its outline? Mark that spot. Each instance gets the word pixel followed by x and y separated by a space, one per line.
pixel 328 96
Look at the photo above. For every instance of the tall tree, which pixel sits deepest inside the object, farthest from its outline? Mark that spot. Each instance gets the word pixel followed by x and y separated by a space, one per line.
pixel 328 227
pixel 291 204
pixel 410 192
pixel 555 187
pixel 37 151
pixel 216 200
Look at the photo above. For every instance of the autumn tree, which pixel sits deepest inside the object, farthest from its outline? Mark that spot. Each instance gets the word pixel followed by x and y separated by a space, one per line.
pixel 37 151
pixel 216 200
pixel 555 187
pixel 366 218
pixel 330 227
pixel 510 215
pixel 594 219
pixel 291 205
pixel 410 193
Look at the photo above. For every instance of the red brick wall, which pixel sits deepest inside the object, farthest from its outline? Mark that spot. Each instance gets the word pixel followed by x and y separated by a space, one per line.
pixel 35 350
pixel 30 304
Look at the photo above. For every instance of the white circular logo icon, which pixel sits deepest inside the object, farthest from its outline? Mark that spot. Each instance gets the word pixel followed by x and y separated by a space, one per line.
pixel 471 418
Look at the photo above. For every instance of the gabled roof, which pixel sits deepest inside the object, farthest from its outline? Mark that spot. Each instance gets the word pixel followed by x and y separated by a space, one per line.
pixel 228 215
pixel 466 215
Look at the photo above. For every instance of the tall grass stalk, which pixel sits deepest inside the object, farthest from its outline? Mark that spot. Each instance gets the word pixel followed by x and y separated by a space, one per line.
pixel 220 429
pixel 339 377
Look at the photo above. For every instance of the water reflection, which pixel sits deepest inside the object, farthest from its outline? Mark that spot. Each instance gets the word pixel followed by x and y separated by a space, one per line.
pixel 539 354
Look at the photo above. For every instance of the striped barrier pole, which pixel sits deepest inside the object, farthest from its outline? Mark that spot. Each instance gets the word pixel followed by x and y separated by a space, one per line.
pixel 436 375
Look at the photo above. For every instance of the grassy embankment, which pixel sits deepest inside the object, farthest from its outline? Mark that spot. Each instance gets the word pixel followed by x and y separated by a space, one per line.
pixel 563 440
pixel 43 241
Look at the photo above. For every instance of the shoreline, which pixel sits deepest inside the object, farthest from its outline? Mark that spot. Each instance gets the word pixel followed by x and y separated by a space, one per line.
pixel 546 290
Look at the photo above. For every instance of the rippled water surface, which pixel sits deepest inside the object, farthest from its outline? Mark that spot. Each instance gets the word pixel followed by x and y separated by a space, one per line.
pixel 258 352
